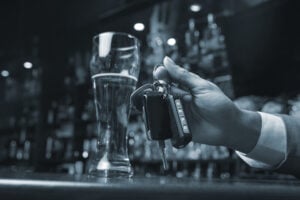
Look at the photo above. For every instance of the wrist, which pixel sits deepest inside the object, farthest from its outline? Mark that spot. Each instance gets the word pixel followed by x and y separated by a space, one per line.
pixel 246 131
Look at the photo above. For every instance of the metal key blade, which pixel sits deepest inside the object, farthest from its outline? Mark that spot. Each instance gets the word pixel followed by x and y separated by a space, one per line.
pixel 162 149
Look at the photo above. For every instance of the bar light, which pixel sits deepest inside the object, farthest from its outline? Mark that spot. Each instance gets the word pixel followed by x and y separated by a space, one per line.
pixel 4 73
pixel 139 26
pixel 195 7
pixel 171 41
pixel 27 65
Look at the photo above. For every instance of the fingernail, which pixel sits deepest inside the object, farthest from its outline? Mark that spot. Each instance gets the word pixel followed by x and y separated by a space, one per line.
pixel 157 66
pixel 168 61
pixel 158 70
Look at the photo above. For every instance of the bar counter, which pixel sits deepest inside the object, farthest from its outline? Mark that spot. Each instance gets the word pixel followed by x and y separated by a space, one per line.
pixel 54 186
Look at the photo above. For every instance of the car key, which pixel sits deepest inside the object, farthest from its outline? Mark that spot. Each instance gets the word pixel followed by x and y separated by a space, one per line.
pixel 163 115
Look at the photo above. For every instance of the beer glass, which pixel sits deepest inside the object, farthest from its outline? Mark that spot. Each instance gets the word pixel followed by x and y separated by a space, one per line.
pixel 114 71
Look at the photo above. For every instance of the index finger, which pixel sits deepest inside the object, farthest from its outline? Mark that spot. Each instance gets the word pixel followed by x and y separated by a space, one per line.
pixel 161 73
pixel 182 76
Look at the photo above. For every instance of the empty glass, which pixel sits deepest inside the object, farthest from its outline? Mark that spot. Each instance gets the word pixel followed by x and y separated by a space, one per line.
pixel 114 72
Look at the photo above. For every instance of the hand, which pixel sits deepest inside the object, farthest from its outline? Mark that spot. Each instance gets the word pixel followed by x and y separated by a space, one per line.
pixel 213 118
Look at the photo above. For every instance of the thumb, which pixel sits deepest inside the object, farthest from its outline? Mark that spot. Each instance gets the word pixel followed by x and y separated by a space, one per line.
pixel 181 75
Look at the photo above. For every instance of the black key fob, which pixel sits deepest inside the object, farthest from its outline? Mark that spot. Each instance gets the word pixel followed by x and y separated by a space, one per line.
pixel 163 114
pixel 156 116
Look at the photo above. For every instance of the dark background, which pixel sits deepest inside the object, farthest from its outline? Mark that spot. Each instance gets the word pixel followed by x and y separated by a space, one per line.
pixel 264 49
pixel 48 32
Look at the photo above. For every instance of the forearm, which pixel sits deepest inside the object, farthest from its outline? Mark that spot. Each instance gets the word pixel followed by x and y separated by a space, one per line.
pixel 293 134
pixel 246 131
pixel 292 163
pixel 277 145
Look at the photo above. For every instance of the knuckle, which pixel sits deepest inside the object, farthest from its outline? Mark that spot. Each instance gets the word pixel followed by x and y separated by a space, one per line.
pixel 183 74
pixel 212 86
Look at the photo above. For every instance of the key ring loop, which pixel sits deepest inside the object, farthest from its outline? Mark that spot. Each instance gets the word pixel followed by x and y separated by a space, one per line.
pixel 138 93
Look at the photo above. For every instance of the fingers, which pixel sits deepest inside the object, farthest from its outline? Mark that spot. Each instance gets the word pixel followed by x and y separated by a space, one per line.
pixel 182 94
pixel 161 73
pixel 180 75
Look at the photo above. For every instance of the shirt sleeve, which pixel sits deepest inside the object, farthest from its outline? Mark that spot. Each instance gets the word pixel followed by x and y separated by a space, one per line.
pixel 271 148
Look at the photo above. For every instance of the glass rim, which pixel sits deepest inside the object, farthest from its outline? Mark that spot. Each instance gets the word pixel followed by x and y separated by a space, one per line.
pixel 118 33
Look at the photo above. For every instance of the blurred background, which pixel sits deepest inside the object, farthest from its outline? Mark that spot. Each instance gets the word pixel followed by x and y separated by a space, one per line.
pixel 249 48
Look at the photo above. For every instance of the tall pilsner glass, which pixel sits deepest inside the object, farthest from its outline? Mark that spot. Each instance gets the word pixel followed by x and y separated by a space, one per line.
pixel 114 70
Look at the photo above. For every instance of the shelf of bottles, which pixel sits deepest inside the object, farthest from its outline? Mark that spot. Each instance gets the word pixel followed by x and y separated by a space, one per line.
pixel 20 106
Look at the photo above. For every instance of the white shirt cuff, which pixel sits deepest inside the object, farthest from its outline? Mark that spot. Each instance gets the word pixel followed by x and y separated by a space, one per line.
pixel 271 148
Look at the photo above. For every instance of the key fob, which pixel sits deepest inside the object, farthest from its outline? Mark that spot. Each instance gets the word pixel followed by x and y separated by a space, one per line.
pixel 181 134
pixel 156 116
pixel 163 114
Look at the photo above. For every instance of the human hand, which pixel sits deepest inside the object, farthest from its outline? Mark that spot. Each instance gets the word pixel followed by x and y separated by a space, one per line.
pixel 212 117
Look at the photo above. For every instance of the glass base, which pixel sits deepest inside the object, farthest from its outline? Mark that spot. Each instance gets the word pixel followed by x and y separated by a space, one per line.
pixel 108 173
pixel 111 170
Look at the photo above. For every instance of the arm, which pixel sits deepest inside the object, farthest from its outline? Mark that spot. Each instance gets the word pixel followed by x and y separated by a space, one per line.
pixel 278 145
pixel 292 163
pixel 214 119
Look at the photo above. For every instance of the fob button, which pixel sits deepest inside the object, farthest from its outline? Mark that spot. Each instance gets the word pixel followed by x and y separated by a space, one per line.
pixel 183 121
pixel 178 104
pixel 180 112
pixel 185 129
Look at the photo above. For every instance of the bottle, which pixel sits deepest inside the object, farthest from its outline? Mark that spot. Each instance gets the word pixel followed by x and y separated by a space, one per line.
pixel 12 150
pixel 192 42
pixel 49 147
pixel 213 49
